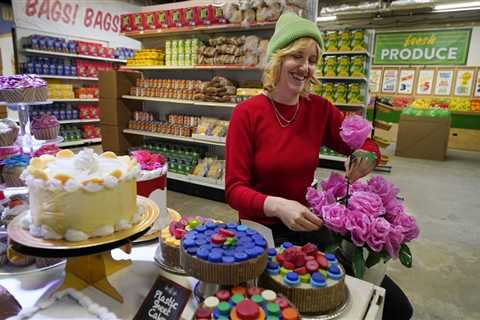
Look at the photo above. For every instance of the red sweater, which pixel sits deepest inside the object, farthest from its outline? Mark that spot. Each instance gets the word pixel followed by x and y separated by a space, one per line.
pixel 263 159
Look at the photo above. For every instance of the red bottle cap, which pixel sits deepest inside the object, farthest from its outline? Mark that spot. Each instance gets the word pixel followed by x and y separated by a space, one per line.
pixel 322 261
pixel 247 310
pixel 218 239
pixel 203 313
pixel 312 266
pixel 226 233
pixel 239 290
pixel 254 291
pixel 223 295
pixel 282 302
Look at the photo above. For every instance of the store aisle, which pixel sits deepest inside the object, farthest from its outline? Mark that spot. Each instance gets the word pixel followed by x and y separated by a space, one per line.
pixel 445 199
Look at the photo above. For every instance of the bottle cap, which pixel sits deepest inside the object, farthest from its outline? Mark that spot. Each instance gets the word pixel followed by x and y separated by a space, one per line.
pixel 269 295
pixel 290 314
pixel 247 310
pixel 211 302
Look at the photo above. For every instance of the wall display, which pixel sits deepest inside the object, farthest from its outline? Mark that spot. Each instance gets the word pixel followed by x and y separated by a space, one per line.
pixel 443 84
pixel 477 86
pixel 464 82
pixel 405 84
pixel 425 81
pixel 375 80
pixel 389 84
pixel 442 47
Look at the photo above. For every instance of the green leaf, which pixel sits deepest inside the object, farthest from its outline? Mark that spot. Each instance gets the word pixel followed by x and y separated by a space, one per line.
pixel 372 259
pixel 358 264
pixel 331 248
pixel 405 256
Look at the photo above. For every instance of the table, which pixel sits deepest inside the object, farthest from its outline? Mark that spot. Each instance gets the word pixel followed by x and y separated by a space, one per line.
pixel 135 281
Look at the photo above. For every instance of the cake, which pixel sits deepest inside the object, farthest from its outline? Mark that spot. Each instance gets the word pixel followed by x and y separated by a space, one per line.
pixel 173 233
pixel 13 168
pixel 8 132
pixel 23 88
pixel 45 127
pixel 75 197
pixel 314 281
pixel 221 253
pixel 152 183
pixel 242 303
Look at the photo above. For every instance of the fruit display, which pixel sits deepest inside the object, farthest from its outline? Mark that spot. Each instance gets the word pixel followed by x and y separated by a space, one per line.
pixel 401 101
pixel 432 112
pixel 459 104
pixel 423 103
pixel 475 105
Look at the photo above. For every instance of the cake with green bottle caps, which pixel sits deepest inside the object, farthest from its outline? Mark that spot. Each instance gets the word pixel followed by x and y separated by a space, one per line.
pixel 313 280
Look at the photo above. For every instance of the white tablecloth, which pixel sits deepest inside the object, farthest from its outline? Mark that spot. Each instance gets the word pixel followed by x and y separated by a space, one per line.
pixel 134 283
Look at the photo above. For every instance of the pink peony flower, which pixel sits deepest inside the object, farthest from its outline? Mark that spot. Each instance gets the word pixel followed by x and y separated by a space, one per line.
pixel 336 184
pixel 334 216
pixel 378 232
pixel 317 199
pixel 408 226
pixel 148 160
pixel 366 202
pixel 358 224
pixel 393 208
pixel 359 186
pixel 386 190
pixel 394 241
pixel 355 130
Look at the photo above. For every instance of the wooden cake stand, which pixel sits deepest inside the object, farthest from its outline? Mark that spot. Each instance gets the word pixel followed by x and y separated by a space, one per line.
pixel 89 262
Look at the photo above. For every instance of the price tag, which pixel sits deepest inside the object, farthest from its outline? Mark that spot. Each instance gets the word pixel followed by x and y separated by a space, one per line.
pixel 165 301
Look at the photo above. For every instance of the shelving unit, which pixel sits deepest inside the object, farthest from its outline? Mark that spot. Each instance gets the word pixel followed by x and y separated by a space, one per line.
pixel 188 179
pixel 79 142
pixel 71 55
pixel 342 53
pixel 195 67
pixel 173 137
pixel 78 121
pixel 189 102
pixel 74 100
pixel 48 76
pixel 343 78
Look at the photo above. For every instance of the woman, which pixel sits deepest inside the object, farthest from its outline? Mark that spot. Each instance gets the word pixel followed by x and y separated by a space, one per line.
pixel 274 139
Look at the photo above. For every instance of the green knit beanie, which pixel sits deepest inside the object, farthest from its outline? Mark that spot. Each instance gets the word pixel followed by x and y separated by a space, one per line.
pixel 289 28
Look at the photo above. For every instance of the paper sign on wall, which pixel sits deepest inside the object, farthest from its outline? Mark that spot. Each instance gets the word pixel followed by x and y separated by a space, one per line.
pixel 389 84
pixel 425 81
pixel 443 84
pixel 405 85
pixel 463 84
pixel 375 78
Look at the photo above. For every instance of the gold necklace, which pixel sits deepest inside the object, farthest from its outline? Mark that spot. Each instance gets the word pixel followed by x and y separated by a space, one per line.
pixel 279 116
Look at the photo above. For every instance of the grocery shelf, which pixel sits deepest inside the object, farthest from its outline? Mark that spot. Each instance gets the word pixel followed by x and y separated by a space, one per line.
pixel 196 30
pixel 332 157
pixel 188 179
pixel 172 137
pixel 72 55
pixel 343 78
pixel 48 76
pixel 192 102
pixel 196 67
pixel 78 121
pixel 334 53
pixel 349 105
pixel 74 100
pixel 79 142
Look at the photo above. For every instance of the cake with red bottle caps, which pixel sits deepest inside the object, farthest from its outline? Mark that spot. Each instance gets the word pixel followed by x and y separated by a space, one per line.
pixel 314 281
pixel 242 303
pixel 221 253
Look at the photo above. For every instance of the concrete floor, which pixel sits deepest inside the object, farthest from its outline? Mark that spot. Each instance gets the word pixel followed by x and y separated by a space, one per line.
pixel 445 199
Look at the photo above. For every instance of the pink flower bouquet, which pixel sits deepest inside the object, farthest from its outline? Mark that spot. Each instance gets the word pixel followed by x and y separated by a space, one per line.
pixel 373 219
pixel 355 131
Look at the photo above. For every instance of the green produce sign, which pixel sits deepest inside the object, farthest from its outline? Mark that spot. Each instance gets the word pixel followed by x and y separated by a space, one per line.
pixel 445 47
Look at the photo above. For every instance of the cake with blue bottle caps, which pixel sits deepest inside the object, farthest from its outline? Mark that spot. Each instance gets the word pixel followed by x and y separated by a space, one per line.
pixel 223 253
pixel 313 280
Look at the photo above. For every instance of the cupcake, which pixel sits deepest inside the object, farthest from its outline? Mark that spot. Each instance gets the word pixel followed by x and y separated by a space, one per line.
pixel 8 152
pixel 8 132
pixel 23 88
pixel 13 168
pixel 45 127
pixel 50 149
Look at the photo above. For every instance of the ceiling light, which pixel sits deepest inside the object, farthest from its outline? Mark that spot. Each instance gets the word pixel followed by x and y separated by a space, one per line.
pixel 463 6
pixel 326 18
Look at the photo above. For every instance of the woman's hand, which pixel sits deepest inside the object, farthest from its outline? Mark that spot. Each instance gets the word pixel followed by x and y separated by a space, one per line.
pixel 293 214
pixel 359 165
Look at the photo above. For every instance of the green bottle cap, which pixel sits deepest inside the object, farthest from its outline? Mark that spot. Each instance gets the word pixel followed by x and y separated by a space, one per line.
pixel 237 298
pixel 224 308
pixel 273 309
pixel 257 299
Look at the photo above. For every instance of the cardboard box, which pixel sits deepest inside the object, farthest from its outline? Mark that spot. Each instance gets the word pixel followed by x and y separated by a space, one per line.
pixel 114 84
pixel 117 112
pixel 113 139
pixel 423 137
pixel 464 139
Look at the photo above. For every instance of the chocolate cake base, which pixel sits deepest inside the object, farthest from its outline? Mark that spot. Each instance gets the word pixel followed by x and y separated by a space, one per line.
pixel 170 254
pixel 220 273
pixel 309 300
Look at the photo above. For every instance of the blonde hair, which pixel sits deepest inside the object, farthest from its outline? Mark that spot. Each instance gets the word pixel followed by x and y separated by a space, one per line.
pixel 271 73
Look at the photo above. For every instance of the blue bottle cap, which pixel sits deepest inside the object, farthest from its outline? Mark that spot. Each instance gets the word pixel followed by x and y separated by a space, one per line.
pixel 211 225
pixel 292 276
pixel 209 232
pixel 221 225
pixel 240 256
pixel 217 251
pixel 330 257
pixel 232 226
pixel 200 242
pixel 252 253
pixel 334 269
pixel 242 228
pixel 272 252
pixel 318 277
pixel 272 265
pixel 187 243
pixel 259 250
pixel 260 242
pixel 215 257
pixel 203 254
pixel 205 247
pixel 228 252
pixel 201 228
pixel 228 259
pixel 192 250
pixel 251 232
pixel 287 245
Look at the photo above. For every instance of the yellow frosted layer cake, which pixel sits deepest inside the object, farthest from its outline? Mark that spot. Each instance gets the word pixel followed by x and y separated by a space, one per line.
pixel 75 197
